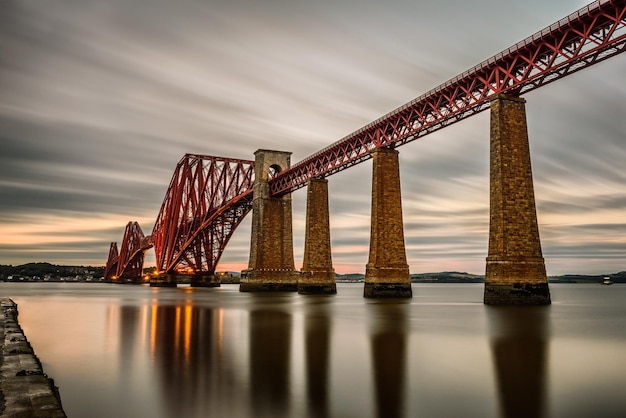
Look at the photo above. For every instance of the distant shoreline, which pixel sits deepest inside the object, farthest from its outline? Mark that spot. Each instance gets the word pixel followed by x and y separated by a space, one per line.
pixel 46 272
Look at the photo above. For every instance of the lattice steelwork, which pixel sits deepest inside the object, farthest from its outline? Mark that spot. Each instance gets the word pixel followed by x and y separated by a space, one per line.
pixel 110 270
pixel 207 199
pixel 590 35
pixel 130 260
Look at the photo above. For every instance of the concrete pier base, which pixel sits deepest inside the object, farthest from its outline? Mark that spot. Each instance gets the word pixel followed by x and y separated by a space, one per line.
pixel 387 272
pixel 515 270
pixel 271 266
pixel 317 275
pixel 163 280
pixel 205 280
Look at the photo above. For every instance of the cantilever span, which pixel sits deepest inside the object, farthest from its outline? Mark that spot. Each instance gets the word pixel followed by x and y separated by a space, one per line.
pixel 206 200
pixel 592 34
pixel 208 197
pixel 127 265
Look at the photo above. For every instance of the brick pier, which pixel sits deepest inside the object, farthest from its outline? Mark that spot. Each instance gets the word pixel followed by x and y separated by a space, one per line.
pixel 317 275
pixel 204 279
pixel 271 266
pixel 515 272
pixel 387 271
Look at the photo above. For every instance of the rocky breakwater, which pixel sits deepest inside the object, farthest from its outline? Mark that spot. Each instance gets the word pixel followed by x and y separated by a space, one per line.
pixel 25 390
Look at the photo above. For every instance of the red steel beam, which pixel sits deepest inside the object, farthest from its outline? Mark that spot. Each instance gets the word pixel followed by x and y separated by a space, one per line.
pixel 206 200
pixel 590 35
pixel 110 270
pixel 130 260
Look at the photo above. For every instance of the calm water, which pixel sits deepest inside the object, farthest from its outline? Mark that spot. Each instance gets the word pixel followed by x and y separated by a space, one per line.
pixel 134 351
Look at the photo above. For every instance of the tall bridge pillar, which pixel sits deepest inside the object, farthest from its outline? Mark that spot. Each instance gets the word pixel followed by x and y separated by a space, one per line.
pixel 387 271
pixel 515 273
pixel 271 266
pixel 317 275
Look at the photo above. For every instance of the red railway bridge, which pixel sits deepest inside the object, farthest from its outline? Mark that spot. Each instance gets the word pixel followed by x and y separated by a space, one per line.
pixel 209 196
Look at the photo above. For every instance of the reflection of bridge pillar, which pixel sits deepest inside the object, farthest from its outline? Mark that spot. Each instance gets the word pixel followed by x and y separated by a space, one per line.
pixel 388 341
pixel 387 272
pixel 317 275
pixel 515 272
pixel 163 280
pixel 204 279
pixel 519 343
pixel 317 343
pixel 271 265
pixel 270 362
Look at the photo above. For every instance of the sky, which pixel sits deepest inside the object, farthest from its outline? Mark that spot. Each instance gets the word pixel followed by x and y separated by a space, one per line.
pixel 100 100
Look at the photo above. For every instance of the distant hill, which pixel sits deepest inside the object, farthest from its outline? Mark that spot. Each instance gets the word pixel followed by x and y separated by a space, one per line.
pixel 443 277
pixel 447 277
pixel 47 269
pixel 462 277
pixel 579 278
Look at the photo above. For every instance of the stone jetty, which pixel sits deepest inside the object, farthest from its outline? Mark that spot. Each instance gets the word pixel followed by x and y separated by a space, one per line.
pixel 25 390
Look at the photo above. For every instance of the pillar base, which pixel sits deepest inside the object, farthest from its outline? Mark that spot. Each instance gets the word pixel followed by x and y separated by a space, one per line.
pixel 517 294
pixel 317 282
pixel 516 281
pixel 387 290
pixel 205 280
pixel 165 280
pixel 387 282
pixel 267 287
pixel 317 289
pixel 269 281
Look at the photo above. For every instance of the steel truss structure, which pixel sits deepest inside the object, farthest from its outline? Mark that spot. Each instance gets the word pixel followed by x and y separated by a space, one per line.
pixel 207 199
pixel 110 270
pixel 590 35
pixel 132 253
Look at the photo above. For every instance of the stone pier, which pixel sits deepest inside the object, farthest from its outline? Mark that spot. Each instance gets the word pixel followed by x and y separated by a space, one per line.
pixel 204 279
pixel 515 272
pixel 163 280
pixel 387 271
pixel 271 266
pixel 317 275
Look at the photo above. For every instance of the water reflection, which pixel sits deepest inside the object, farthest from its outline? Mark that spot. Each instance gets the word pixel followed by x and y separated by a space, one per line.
pixel 317 339
pixel 201 366
pixel 519 339
pixel 270 359
pixel 177 353
pixel 190 366
pixel 388 332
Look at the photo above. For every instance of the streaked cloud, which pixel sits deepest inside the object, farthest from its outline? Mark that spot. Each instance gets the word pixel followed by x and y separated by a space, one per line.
pixel 101 99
